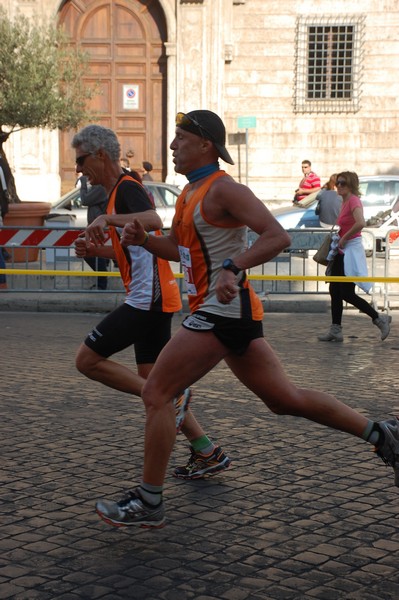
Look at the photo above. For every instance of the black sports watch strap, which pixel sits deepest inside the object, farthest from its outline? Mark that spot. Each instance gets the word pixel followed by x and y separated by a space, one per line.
pixel 230 266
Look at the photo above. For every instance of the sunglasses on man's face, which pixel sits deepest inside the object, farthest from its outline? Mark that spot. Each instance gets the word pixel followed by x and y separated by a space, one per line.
pixel 183 120
pixel 81 159
pixel 341 182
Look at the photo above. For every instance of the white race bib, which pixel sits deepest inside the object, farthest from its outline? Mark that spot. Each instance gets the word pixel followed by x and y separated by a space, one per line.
pixel 185 259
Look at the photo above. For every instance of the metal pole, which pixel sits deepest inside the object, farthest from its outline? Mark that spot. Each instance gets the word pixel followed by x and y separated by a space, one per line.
pixel 246 156
pixel 239 159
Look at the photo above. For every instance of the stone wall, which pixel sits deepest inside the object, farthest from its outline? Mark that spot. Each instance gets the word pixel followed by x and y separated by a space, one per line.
pixel 260 82
pixel 237 57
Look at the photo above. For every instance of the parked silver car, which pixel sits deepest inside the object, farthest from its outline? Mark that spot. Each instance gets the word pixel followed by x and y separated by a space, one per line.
pixel 69 207
pixel 379 194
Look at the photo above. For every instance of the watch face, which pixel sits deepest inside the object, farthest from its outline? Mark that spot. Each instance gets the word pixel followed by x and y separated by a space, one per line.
pixel 230 266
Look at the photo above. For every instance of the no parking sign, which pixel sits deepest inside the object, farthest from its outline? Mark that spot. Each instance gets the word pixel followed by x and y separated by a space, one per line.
pixel 130 97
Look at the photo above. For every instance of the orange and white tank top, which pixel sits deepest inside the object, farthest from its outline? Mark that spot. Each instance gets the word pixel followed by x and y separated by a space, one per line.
pixel 203 247
pixel 148 280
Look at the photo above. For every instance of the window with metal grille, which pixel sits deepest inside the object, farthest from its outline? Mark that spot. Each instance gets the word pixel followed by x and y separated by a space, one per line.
pixel 328 70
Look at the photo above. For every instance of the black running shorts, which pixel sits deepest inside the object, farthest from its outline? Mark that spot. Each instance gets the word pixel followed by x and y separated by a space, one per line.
pixel 125 326
pixel 235 334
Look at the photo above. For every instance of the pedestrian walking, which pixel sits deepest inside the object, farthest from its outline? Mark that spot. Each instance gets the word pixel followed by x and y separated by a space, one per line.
pixel 95 198
pixel 5 175
pixel 347 257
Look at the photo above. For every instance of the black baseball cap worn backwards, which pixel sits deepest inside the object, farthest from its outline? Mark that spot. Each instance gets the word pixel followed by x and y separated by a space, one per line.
pixel 207 125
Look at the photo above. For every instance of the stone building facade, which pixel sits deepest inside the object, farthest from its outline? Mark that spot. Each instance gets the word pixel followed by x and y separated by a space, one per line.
pixel 293 80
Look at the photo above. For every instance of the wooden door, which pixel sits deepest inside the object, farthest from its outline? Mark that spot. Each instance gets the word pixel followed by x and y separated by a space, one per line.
pixel 125 43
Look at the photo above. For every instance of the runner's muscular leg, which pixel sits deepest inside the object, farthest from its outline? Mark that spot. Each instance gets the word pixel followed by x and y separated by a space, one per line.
pixel 122 378
pixel 260 370
pixel 108 372
pixel 190 428
pixel 186 358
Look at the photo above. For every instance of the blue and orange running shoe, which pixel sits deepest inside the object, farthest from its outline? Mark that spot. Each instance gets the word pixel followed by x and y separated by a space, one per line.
pixel 201 465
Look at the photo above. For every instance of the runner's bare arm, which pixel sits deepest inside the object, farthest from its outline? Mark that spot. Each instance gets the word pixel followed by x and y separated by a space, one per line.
pixel 229 203
pixel 82 249
pixel 165 246
pixel 150 219
pixel 95 231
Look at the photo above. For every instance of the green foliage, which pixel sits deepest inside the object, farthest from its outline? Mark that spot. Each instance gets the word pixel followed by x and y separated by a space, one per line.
pixel 40 78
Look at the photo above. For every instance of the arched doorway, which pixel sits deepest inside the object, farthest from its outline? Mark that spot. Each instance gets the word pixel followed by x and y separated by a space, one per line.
pixel 125 43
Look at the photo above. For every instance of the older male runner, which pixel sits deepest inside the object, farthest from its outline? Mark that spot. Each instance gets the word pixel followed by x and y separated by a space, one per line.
pixel 152 295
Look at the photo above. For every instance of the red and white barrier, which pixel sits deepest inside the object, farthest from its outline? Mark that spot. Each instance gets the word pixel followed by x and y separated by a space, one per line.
pixel 41 238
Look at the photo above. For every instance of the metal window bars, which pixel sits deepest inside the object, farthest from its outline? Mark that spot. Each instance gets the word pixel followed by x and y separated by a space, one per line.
pixel 328 65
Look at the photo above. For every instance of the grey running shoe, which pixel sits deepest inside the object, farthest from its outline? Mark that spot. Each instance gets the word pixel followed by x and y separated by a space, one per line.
pixel 383 322
pixel 181 405
pixel 200 465
pixel 388 449
pixel 131 510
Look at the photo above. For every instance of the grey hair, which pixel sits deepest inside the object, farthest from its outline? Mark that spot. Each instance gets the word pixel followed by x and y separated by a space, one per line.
pixel 93 137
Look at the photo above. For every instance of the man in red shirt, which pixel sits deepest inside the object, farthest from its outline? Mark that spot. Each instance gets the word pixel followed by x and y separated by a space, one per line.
pixel 309 183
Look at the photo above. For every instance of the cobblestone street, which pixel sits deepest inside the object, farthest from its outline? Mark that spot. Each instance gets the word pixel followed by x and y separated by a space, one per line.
pixel 303 513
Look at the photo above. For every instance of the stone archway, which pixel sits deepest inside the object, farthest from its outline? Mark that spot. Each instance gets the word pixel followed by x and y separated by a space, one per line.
pixel 125 41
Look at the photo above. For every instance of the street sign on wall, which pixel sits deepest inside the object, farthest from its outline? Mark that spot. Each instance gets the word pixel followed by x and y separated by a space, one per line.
pixel 246 122
pixel 131 97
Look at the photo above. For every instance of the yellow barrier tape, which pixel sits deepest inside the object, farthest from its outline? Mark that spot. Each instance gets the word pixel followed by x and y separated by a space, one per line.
pixel 56 272
pixel 180 275
pixel 321 278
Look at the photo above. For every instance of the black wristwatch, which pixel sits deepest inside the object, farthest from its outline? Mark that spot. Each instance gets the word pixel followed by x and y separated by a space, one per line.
pixel 230 266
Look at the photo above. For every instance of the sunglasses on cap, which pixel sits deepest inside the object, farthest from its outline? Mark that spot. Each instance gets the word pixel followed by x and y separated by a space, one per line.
pixel 183 120
pixel 81 159
pixel 341 182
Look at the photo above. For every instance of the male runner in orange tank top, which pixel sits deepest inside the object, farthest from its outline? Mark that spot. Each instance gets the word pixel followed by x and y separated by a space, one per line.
pixel 207 235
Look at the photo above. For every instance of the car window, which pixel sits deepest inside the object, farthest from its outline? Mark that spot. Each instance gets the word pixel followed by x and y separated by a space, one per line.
pixel 70 201
pixel 154 196
pixel 77 203
pixel 376 193
pixel 394 189
pixel 169 198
